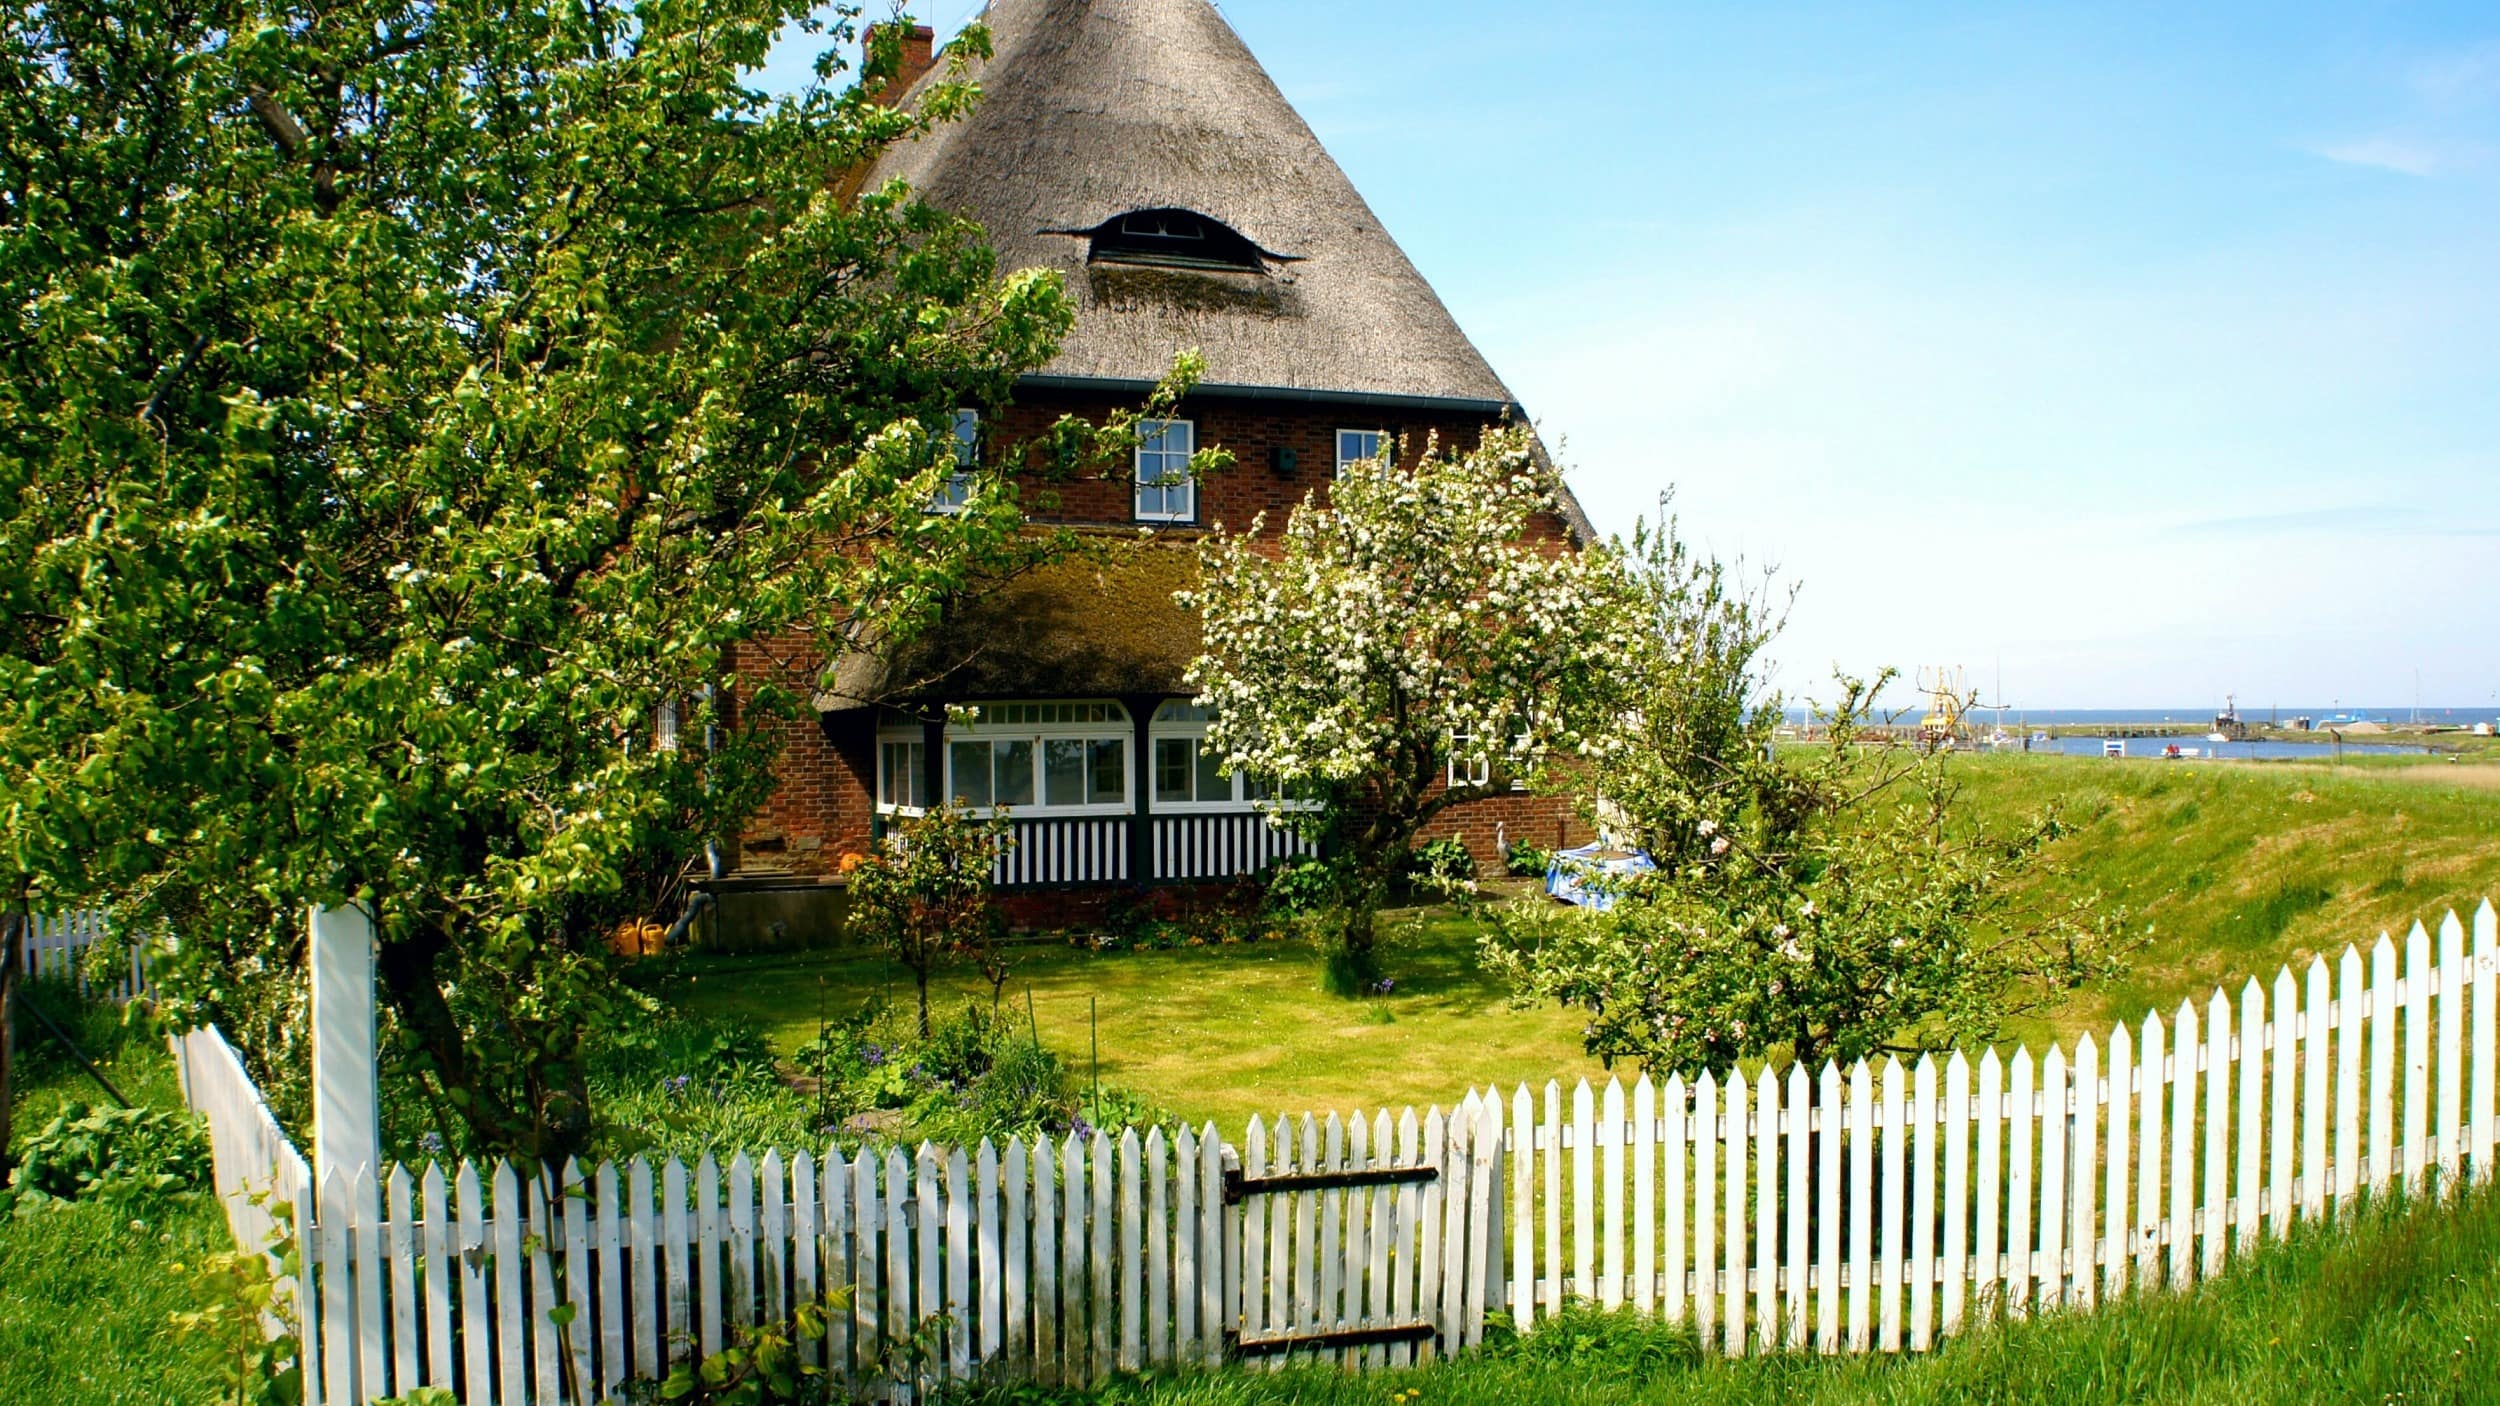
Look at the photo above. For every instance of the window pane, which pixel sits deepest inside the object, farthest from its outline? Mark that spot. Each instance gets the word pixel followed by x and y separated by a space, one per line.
pixel 1356 447
pixel 1015 774
pixel 1257 788
pixel 1172 767
pixel 1110 775
pixel 916 774
pixel 1213 784
pixel 969 765
pixel 967 438
pixel 1063 772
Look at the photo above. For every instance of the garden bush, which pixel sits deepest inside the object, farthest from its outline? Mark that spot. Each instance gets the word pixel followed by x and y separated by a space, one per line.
pixel 117 1154
pixel 1436 865
pixel 1527 861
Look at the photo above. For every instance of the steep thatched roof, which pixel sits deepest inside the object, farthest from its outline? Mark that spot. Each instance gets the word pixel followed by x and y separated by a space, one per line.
pixel 1094 108
pixel 1095 625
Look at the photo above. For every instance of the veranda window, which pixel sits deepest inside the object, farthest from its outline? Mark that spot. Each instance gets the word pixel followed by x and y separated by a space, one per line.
pixel 1043 758
pixel 1188 777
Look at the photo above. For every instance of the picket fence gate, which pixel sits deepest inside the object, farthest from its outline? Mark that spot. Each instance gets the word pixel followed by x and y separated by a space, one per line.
pixel 1871 1209
pixel 56 944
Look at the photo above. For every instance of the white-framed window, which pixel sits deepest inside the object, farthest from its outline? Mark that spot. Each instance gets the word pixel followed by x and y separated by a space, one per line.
pixel 665 727
pixel 1165 491
pixel 1044 758
pixel 957 490
pixel 902 773
pixel 1188 777
pixel 1358 447
pixel 1470 766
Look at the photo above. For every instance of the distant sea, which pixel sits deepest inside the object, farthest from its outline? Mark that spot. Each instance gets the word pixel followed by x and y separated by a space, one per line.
pixel 2446 717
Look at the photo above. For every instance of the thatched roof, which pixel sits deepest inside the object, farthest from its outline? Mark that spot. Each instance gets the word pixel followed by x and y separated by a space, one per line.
pixel 1098 624
pixel 1094 108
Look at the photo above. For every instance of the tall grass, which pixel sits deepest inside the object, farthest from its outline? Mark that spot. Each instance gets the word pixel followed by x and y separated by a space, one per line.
pixel 2393 1303
pixel 86 1292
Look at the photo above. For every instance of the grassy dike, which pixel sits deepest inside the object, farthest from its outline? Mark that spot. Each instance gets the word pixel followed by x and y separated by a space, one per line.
pixel 2238 868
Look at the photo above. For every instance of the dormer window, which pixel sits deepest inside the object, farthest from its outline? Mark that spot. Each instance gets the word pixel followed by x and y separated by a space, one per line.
pixel 1169 237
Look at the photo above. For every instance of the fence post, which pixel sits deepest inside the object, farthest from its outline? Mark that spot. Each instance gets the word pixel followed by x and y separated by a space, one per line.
pixel 347 1131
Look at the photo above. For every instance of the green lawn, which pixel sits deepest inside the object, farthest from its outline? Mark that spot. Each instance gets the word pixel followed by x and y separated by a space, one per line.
pixel 1216 1032
pixel 85 1292
pixel 2236 868
pixel 2390 1305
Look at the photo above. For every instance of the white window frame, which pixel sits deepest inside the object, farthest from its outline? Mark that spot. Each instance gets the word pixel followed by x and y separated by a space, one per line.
pixel 957 490
pixel 1166 479
pixel 1032 722
pixel 897 736
pixel 1181 719
pixel 1379 441
pixel 1469 770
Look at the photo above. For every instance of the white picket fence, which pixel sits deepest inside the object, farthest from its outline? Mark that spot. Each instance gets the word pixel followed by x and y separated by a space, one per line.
pixel 1884 1208
pixel 260 1178
pixel 1876 1209
pixel 56 945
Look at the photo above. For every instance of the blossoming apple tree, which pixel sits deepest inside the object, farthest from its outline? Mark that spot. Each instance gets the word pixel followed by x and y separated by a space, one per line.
pixel 1408 614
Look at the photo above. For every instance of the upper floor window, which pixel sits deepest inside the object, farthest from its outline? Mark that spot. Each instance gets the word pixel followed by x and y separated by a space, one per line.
pixel 1165 491
pixel 1470 767
pixel 957 490
pixel 1358 447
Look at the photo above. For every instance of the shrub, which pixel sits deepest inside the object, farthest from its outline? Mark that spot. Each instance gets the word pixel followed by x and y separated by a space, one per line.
pixel 108 1153
pixel 1527 861
pixel 925 896
pixel 1438 865
pixel 1303 884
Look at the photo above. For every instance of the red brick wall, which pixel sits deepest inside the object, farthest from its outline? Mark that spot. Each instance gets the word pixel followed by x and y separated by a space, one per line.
pixel 823 804
pixel 1251 429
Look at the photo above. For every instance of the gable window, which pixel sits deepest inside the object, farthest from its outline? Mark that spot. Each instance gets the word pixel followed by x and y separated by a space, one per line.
pixel 1470 768
pixel 1165 491
pixel 957 490
pixel 1356 447
pixel 1043 758
pixel 1169 237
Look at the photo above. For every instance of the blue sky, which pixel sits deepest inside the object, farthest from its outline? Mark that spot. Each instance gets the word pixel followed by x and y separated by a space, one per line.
pixel 2138 354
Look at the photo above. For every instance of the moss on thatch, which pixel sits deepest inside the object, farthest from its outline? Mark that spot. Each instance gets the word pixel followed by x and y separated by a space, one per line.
pixel 1101 623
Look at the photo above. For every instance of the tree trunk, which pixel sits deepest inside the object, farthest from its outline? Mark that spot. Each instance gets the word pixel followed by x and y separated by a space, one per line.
pixel 920 979
pixel 406 969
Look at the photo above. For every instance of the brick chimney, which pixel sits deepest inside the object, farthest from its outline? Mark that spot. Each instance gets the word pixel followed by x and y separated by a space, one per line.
pixel 919 56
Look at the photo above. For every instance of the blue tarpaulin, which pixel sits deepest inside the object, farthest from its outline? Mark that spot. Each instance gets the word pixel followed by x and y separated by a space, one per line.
pixel 1568 876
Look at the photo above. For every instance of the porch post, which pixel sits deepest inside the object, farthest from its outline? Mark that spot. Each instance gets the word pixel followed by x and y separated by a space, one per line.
pixel 347 1130
pixel 933 760
pixel 1141 825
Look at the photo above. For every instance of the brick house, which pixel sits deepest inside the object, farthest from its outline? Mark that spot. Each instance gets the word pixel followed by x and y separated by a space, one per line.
pixel 1137 148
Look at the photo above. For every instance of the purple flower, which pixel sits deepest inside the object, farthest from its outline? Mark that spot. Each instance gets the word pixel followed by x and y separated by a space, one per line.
pixel 678 1083
pixel 430 1143
pixel 872 1054
pixel 1385 985
pixel 1078 1126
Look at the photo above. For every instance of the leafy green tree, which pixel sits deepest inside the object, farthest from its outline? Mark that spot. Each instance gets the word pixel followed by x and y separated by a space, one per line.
pixel 401 401
pixel 924 896
pixel 1821 903
pixel 1413 614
